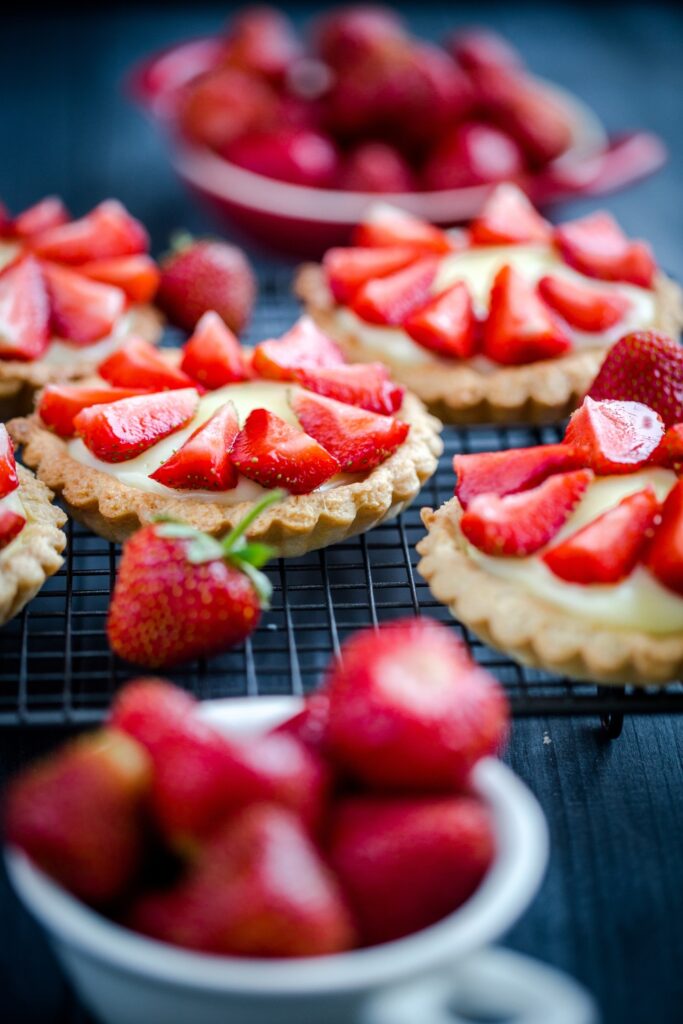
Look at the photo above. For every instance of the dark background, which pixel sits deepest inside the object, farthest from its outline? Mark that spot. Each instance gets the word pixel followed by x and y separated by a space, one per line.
pixel 611 909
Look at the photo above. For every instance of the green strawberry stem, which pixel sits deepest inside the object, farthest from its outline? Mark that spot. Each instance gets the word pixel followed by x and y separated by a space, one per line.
pixel 247 556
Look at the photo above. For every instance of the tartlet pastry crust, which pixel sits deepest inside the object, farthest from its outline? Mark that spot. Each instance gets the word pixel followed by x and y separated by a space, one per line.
pixel 530 629
pixel 35 554
pixel 539 392
pixel 297 525
pixel 20 380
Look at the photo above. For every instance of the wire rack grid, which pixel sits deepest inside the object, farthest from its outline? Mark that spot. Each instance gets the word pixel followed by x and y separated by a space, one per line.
pixel 56 667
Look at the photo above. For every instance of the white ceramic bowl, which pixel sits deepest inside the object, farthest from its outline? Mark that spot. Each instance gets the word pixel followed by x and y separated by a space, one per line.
pixel 126 978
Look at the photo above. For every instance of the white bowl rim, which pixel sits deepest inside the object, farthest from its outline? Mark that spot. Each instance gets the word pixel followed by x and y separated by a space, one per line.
pixel 503 895
pixel 217 177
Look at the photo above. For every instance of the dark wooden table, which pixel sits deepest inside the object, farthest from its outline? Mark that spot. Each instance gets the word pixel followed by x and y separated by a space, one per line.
pixel 611 909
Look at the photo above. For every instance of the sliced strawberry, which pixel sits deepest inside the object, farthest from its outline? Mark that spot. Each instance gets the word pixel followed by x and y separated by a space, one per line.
pixel 508 218
pixel 644 366
pixel 614 437
pixel 608 549
pixel 138 276
pixel 367 385
pixel 122 430
pixel 275 454
pixel 213 355
pixel 9 480
pixel 81 311
pixel 359 440
pixel 582 306
pixel 11 525
pixel 664 558
pixel 107 231
pixel 48 213
pixel 203 461
pixel 24 311
pixel 304 345
pixel 670 451
pixel 520 328
pixel 598 247
pixel 388 226
pixel 60 403
pixel 446 323
pixel 137 364
pixel 390 300
pixel 349 268
pixel 511 471
pixel 520 524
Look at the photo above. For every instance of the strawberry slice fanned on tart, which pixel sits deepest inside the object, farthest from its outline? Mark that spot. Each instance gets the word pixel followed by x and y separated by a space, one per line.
pixel 71 292
pixel 508 320
pixel 569 557
pixel 203 433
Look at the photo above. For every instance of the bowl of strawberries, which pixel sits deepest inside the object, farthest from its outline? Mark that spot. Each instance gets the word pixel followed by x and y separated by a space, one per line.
pixel 292 139
pixel 284 860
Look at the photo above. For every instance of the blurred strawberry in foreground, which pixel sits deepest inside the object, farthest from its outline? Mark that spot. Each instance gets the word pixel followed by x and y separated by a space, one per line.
pixel 78 814
pixel 439 711
pixel 259 889
pixel 395 859
pixel 647 367
pixel 351 823
pixel 198 276
pixel 182 594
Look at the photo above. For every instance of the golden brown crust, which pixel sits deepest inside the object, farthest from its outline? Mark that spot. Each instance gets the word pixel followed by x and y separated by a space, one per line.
pixel 458 393
pixel 529 629
pixel 35 554
pixel 299 524
pixel 19 381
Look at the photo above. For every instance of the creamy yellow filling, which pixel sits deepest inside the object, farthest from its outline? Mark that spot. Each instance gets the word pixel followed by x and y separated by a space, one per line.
pixel 638 602
pixel 478 267
pixel 250 395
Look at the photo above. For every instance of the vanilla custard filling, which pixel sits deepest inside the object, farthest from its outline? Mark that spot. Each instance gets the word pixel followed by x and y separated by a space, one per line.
pixel 638 602
pixel 13 503
pixel 477 267
pixel 61 352
pixel 246 397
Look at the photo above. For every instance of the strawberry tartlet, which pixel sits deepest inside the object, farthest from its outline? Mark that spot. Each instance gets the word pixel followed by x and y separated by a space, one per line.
pixel 31 541
pixel 71 292
pixel 506 321
pixel 569 557
pixel 202 434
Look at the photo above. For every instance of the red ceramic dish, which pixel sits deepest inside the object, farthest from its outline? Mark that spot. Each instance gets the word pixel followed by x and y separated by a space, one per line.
pixel 306 221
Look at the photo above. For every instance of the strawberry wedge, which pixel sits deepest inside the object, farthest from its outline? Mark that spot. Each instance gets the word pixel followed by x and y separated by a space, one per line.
pixel 511 471
pixel 608 549
pixel 137 364
pixel 445 324
pixel 105 232
pixel 583 306
pixel 389 300
pixel 138 275
pixel 508 218
pixel 24 311
pixel 664 558
pixel 596 246
pixel 48 213
pixel 9 480
pixel 60 403
pixel 614 437
pixel 367 385
pixel 82 311
pixel 348 269
pixel 359 440
pixel 304 345
pixel 520 328
pixel 520 524
pixel 276 454
pixel 203 462
pixel 122 430
pixel 213 355
pixel 387 226
pixel 11 525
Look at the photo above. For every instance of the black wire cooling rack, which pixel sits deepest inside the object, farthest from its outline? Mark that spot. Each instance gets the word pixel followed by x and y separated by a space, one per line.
pixel 56 667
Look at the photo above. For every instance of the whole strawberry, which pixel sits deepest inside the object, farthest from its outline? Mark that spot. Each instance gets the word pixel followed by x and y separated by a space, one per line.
pixel 207 274
pixel 647 367
pixel 181 594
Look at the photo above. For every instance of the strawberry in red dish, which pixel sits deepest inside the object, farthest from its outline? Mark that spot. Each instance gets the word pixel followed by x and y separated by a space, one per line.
pixel 507 320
